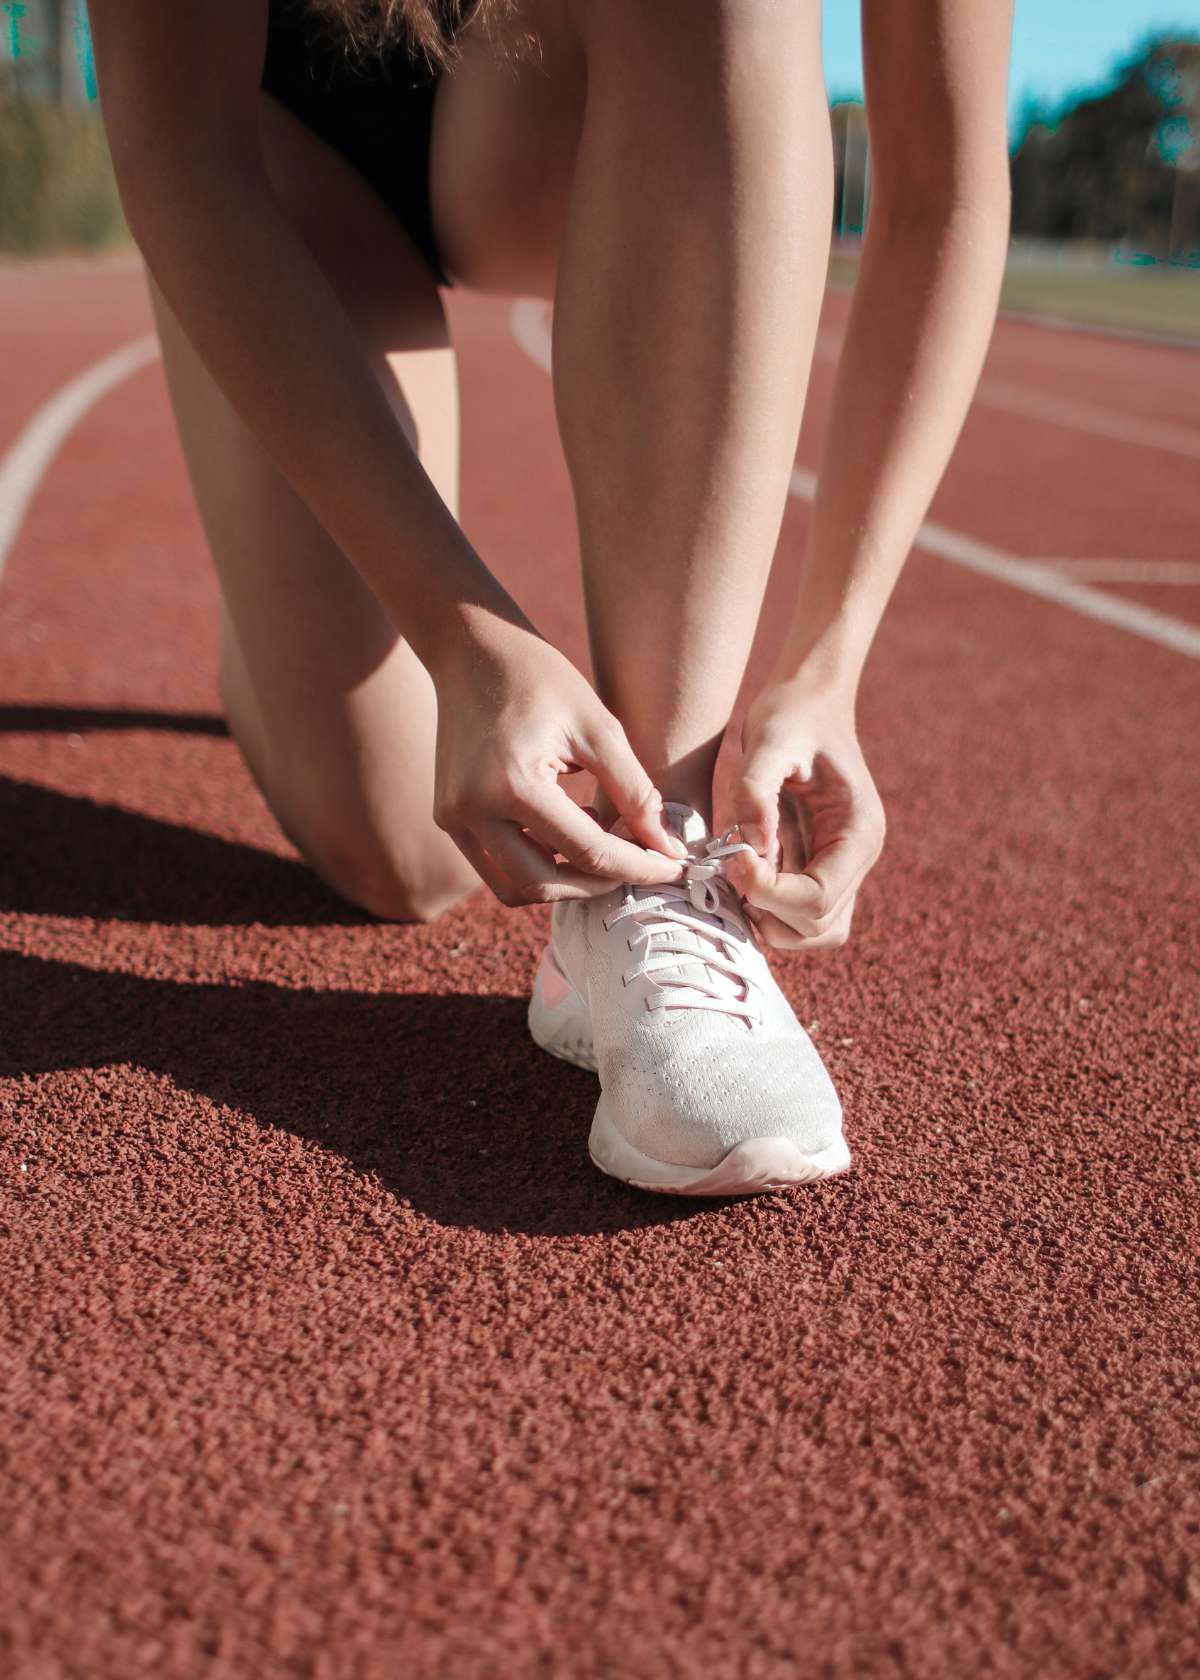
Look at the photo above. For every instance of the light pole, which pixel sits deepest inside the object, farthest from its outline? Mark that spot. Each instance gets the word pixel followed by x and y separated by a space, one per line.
pixel 1185 205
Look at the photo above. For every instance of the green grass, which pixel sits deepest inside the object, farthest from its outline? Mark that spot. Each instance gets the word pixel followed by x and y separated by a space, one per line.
pixel 57 191
pixel 1144 299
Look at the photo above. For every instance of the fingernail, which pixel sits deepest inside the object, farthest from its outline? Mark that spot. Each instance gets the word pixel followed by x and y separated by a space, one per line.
pixel 678 849
pixel 755 835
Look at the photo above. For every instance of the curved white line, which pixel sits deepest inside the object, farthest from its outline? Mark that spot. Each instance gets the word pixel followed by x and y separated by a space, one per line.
pixel 24 465
pixel 530 324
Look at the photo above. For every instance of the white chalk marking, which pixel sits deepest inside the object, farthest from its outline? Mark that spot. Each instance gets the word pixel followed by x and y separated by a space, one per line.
pixel 530 327
pixel 530 320
pixel 1079 416
pixel 1185 573
pixel 1038 579
pixel 24 465
pixel 530 324
pixel 1072 413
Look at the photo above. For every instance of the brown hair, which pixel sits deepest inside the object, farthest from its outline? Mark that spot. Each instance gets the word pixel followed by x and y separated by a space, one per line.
pixel 367 27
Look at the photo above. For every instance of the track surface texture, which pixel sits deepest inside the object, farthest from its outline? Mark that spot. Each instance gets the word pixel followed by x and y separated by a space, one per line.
pixel 326 1352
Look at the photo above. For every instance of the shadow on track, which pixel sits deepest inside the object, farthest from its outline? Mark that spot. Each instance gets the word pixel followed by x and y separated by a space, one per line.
pixel 445 1099
pixel 65 855
pixel 62 720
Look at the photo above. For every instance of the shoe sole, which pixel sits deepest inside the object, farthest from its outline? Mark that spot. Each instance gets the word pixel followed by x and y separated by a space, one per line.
pixel 750 1168
pixel 560 1023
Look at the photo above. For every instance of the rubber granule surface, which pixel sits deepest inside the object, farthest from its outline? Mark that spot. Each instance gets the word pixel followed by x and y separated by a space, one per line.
pixel 327 1353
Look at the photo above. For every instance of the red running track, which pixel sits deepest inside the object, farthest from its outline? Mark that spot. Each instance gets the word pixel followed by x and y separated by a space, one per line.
pixel 326 1352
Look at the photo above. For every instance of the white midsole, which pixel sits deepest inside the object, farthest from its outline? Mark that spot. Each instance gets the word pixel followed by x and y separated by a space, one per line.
pixel 564 1030
pixel 763 1163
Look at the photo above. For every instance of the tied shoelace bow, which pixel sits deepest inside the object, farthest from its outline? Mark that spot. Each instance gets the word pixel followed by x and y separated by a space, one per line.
pixel 691 938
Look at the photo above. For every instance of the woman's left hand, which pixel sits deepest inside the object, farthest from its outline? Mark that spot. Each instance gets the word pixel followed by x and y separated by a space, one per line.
pixel 804 799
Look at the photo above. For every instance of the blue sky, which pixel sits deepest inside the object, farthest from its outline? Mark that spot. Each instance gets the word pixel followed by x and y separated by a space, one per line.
pixel 1059 46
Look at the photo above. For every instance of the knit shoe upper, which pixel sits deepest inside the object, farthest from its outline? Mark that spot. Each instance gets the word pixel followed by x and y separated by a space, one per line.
pixel 696 1047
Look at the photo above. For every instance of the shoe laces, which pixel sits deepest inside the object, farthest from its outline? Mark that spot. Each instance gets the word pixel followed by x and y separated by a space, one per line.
pixel 690 941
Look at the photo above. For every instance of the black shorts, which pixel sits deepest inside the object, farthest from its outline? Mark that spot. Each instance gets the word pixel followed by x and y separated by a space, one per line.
pixel 378 113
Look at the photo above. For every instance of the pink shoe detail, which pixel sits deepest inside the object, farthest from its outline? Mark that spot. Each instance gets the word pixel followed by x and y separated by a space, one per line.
pixel 556 988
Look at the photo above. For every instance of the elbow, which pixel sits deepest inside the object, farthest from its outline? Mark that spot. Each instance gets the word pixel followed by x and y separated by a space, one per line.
pixel 162 168
pixel 135 174
pixel 932 211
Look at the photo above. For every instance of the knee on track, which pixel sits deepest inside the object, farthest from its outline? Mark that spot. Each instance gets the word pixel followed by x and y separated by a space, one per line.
pixel 394 889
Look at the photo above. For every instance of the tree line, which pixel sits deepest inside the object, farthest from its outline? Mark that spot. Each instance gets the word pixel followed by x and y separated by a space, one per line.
pixel 1121 167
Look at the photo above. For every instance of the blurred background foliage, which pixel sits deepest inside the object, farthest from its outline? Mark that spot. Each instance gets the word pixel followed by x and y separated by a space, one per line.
pixel 1120 167
pixel 1105 187
pixel 56 183
pixel 1106 197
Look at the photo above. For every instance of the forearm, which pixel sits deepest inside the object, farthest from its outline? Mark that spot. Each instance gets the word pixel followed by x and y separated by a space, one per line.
pixel 918 331
pixel 270 327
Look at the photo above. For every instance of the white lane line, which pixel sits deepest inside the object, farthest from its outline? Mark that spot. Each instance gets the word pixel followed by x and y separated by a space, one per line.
pixel 530 318
pixel 529 321
pixel 24 465
pixel 1185 573
pixel 530 327
pixel 1072 413
pixel 1079 416
pixel 1038 579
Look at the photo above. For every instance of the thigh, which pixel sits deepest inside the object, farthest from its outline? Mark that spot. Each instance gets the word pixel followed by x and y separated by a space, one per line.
pixel 335 714
pixel 509 115
pixel 506 127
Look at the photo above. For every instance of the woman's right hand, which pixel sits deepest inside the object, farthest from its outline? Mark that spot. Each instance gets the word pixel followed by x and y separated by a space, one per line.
pixel 513 716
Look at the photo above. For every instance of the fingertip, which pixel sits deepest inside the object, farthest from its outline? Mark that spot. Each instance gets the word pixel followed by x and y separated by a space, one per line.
pixel 664 837
pixel 656 834
pixel 750 868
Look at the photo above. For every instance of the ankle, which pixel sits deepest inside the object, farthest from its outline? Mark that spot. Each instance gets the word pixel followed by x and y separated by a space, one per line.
pixel 699 798
pixel 683 777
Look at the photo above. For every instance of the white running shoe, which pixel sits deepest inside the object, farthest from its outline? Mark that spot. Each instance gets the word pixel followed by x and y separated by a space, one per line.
pixel 709 1086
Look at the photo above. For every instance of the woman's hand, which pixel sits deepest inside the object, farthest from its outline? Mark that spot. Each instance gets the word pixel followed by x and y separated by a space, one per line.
pixel 513 716
pixel 805 801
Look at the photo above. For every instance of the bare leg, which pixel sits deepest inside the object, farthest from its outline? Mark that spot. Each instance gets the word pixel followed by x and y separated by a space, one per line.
pixel 689 285
pixel 335 715
pixel 663 172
